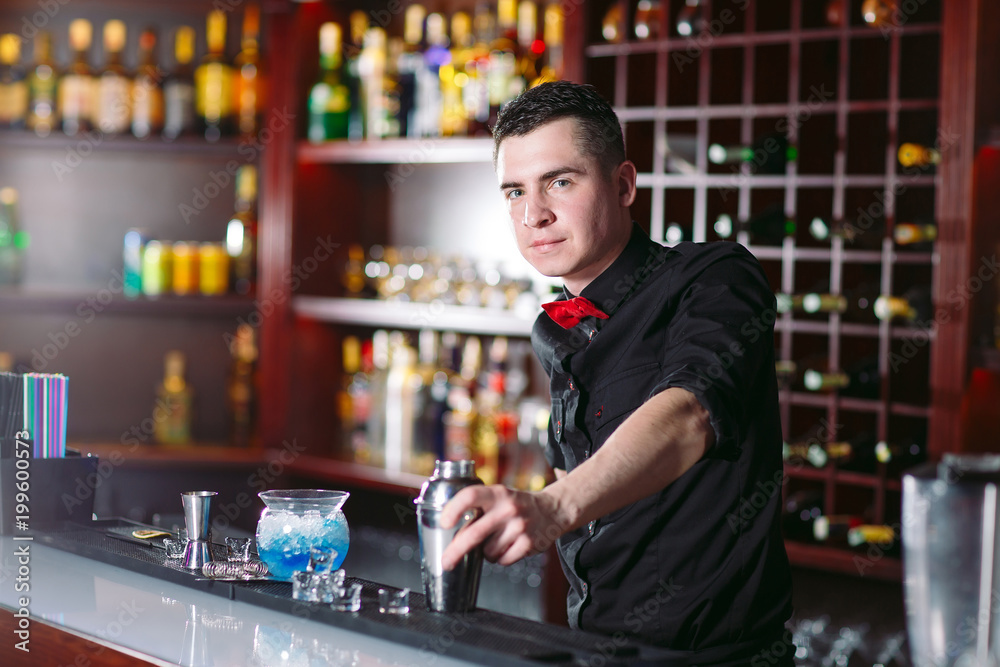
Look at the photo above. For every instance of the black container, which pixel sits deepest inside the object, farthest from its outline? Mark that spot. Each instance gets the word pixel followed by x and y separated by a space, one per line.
pixel 58 490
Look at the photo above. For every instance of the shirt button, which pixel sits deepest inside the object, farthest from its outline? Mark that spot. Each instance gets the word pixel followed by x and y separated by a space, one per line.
pixel 571 387
pixel 591 526
pixel 585 589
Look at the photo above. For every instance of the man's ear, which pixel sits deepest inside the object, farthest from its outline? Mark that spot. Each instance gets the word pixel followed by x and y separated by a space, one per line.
pixel 626 183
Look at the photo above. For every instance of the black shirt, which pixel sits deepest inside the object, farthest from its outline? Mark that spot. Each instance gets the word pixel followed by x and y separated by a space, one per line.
pixel 700 563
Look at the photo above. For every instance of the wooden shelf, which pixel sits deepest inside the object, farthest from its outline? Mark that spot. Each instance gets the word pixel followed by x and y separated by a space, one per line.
pixel 96 141
pixel 408 315
pixel 197 453
pixel 846 477
pixel 97 302
pixel 430 150
pixel 354 474
pixel 875 564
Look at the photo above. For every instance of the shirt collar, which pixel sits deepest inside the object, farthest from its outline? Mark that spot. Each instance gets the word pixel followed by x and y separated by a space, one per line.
pixel 636 262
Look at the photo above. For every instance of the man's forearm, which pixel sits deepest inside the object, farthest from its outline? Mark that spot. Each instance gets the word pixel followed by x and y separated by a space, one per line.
pixel 658 443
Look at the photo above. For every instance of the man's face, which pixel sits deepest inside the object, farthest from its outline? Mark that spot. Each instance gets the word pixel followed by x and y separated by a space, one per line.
pixel 570 218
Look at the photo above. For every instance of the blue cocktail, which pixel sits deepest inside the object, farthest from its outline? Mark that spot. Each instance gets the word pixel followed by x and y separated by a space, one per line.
pixel 295 521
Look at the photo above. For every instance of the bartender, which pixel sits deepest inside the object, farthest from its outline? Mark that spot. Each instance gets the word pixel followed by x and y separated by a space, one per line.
pixel 665 434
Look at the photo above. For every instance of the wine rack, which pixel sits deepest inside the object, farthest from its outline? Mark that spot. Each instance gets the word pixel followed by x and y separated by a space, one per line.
pixel 845 95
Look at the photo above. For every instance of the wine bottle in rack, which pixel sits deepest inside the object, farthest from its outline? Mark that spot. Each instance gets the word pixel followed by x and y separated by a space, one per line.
pixel 213 81
pixel 353 49
pixel 43 86
pixel 241 232
pixel 553 25
pixel 915 306
pixel 912 233
pixel 13 83
pixel 147 90
pixel 76 87
pixel 648 15
pixel 178 88
pixel 529 47
pixel 855 304
pixel 768 227
pixel 916 155
pixel 113 111
pixel 862 380
pixel 690 20
pixel 330 98
pixel 769 154
pixel 878 13
pixel 248 79
pixel 856 234
pixel 808 452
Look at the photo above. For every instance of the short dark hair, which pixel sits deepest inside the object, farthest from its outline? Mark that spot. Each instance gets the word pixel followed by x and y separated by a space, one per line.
pixel 598 132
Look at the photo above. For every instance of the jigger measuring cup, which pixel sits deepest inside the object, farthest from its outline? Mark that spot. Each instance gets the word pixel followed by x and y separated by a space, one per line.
pixel 197 507
pixel 454 590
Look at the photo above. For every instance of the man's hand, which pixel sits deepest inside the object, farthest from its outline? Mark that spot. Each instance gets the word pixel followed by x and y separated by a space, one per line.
pixel 514 524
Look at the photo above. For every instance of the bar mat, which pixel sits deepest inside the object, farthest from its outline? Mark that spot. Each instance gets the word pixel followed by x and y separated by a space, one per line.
pixel 482 636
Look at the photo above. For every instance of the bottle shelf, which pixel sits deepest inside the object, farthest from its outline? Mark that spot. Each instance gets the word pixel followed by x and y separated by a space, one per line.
pixel 202 453
pixel 846 477
pixel 858 563
pixel 856 404
pixel 87 143
pixel 429 150
pixel 731 39
pixel 849 329
pixel 846 256
pixel 408 315
pixel 736 180
pixel 14 300
pixel 724 111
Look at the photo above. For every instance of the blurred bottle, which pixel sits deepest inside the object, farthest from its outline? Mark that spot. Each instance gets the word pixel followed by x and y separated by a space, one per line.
pixel 529 47
pixel 377 86
pixel 491 429
pixel 455 77
pixel 157 268
pixel 856 305
pixel 372 450
pixel 648 15
pixel 213 81
pixel 915 155
pixel 769 154
pixel 355 399
pixel 809 452
pixel 915 306
pixel 768 227
pixel 503 81
pixel 77 86
pixel 132 246
pixel 476 93
pixel 878 13
pixel 553 23
pixel 13 240
pixel 412 74
pixel 330 98
pixel 690 20
pixel 147 90
pixel 431 403
pixel 861 380
pixel 241 390
pixel 613 24
pixel 213 269
pixel 184 268
pixel 178 88
pixel 358 114
pixel 13 83
pixel 833 529
pixel 856 234
pixel 113 111
pixel 174 399
pixel 241 232
pixel 402 384
pixel 248 80
pixel 437 64
pixel 43 86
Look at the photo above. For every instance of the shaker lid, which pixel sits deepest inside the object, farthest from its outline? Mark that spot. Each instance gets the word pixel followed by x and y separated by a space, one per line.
pixel 449 478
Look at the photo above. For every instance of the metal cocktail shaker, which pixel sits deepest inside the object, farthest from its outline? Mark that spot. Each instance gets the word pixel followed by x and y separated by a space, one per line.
pixel 454 590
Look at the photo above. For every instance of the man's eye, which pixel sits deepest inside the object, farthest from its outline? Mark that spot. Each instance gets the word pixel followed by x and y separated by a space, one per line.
pixel 561 182
pixel 514 194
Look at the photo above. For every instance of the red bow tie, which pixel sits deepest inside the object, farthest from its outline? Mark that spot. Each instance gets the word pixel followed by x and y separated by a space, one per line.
pixel 568 314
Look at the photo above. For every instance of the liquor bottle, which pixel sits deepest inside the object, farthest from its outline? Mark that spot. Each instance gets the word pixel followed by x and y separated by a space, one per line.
pixel 769 154
pixel 455 78
pixel 372 68
pixel 213 82
pixel 476 93
pixel 808 452
pixel 613 24
pixel 113 110
pixel 358 113
pixel 13 241
pixel 373 449
pixel 915 155
pixel 553 22
pixel 400 401
pixel 355 399
pixel 43 84
pixel 248 80
pixel 503 81
pixel 833 529
pixel 411 77
pixel 241 233
pixel 861 380
pixel 855 304
pixel 914 306
pixel 856 234
pixel 174 398
pixel 76 88
pixel 529 47
pixel 911 233
pixel 178 88
pixel 330 98
pixel 647 19
pixel 431 403
pixel 13 83
pixel 768 227
pixel 878 13
pixel 241 392
pixel 437 58
pixel 147 90
pixel 690 20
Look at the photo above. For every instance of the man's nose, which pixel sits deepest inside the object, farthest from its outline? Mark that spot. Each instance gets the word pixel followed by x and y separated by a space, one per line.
pixel 536 211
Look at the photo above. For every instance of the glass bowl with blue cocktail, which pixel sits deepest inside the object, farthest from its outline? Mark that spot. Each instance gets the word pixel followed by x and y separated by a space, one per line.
pixel 296 520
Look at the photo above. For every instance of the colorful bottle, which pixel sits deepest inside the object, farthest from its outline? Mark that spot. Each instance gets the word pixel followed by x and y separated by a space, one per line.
pixel 13 240
pixel 330 98
pixel 178 88
pixel 43 86
pixel 113 111
pixel 241 390
pixel 147 90
pixel 76 88
pixel 174 402
pixel 241 233
pixel 358 114
pixel 213 82
pixel 13 84
pixel 248 83
pixel 455 77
